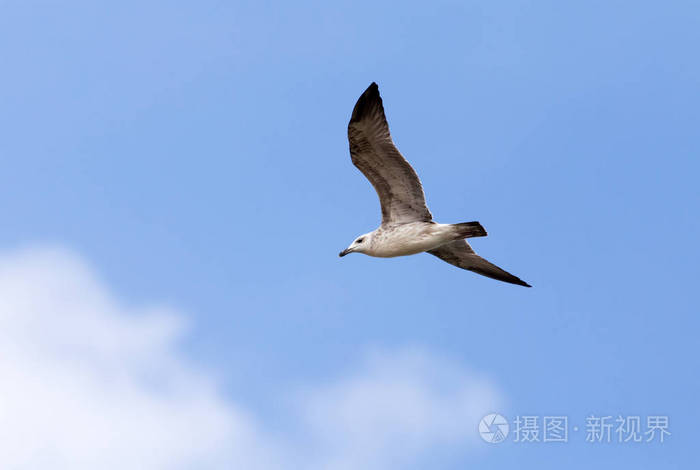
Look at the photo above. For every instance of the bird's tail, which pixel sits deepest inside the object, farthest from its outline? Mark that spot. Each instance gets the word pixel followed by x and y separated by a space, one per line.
pixel 468 230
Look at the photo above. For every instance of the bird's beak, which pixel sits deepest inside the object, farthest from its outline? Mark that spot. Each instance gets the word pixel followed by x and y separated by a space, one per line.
pixel 344 252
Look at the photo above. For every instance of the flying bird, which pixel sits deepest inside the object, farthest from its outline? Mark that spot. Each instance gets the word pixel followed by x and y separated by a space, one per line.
pixel 407 226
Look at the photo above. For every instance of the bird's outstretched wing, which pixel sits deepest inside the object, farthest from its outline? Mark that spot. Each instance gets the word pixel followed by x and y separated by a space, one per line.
pixel 374 154
pixel 460 254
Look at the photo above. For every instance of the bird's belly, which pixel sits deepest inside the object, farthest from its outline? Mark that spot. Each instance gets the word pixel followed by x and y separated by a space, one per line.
pixel 410 241
pixel 402 250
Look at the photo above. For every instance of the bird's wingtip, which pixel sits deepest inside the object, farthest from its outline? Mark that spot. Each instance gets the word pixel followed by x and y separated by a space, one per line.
pixel 366 103
pixel 372 89
pixel 519 282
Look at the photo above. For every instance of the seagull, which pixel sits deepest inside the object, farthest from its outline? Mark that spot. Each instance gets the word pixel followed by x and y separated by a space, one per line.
pixel 407 226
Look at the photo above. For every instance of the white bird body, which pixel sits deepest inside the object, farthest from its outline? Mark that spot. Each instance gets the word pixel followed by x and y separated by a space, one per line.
pixel 406 239
pixel 407 225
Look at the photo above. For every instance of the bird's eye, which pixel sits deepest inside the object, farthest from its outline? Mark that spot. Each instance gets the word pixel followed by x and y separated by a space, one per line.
pixel 359 240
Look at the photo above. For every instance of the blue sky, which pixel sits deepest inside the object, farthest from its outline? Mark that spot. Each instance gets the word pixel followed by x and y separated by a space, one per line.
pixel 195 156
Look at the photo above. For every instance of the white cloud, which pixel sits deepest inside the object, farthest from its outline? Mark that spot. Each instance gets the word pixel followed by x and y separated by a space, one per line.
pixel 86 382
pixel 395 409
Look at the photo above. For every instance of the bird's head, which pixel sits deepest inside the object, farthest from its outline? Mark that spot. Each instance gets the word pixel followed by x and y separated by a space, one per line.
pixel 360 245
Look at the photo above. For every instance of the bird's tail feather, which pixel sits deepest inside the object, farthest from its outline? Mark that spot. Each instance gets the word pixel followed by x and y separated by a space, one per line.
pixel 468 230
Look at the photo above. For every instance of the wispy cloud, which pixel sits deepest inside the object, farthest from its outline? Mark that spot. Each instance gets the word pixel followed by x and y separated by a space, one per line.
pixel 394 409
pixel 88 382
